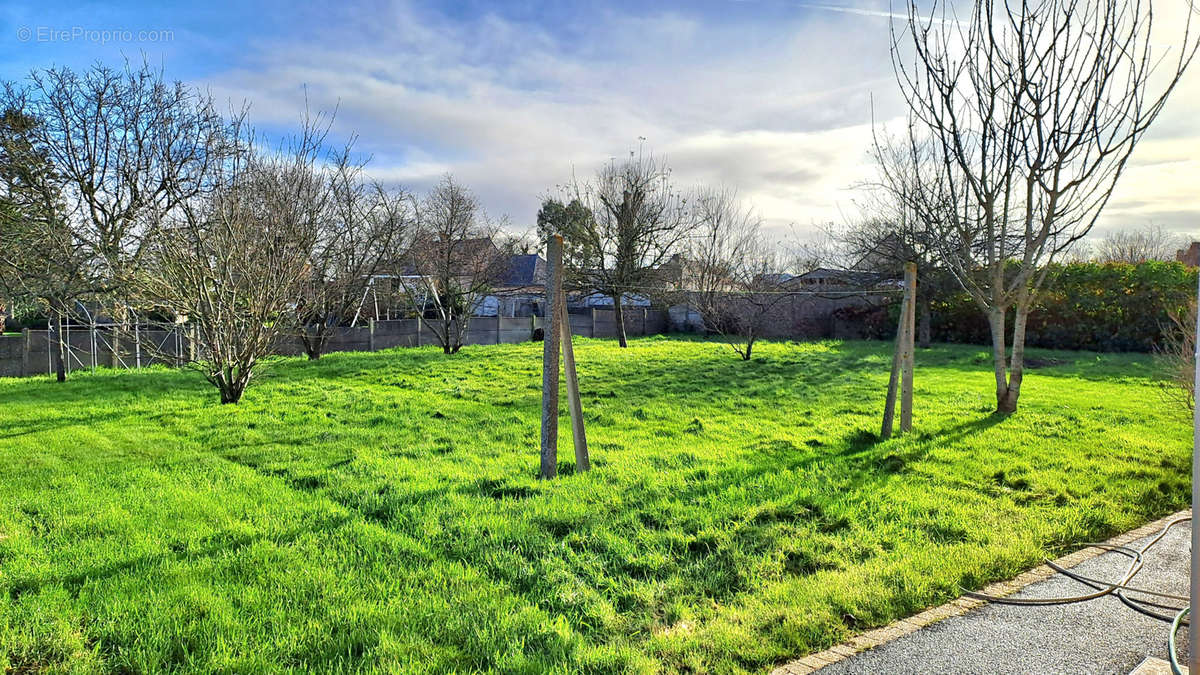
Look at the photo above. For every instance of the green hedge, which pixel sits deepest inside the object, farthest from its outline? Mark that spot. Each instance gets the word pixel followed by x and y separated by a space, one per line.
pixel 1112 307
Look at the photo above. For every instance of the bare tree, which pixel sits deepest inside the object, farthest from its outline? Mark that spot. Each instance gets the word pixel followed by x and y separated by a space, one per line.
pixel 42 264
pixel 1028 112
pixel 892 232
pixel 125 147
pixel 1152 242
pixel 129 147
pixel 635 221
pixel 732 279
pixel 230 264
pixel 457 257
pixel 1177 356
pixel 822 247
pixel 364 226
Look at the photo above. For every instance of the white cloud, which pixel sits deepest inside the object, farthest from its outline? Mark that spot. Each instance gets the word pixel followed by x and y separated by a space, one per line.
pixel 779 110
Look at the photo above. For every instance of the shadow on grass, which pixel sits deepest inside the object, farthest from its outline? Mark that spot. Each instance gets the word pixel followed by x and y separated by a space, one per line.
pixel 75 581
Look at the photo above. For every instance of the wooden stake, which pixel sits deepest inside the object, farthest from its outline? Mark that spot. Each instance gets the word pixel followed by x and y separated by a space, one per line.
pixel 910 326
pixel 889 408
pixel 550 348
pixel 582 463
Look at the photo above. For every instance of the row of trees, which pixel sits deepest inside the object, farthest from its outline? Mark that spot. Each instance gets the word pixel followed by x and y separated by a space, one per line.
pixel 123 189
pixel 127 194
pixel 631 231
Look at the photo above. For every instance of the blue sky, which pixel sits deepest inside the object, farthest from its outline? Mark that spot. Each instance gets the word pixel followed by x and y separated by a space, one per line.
pixel 771 97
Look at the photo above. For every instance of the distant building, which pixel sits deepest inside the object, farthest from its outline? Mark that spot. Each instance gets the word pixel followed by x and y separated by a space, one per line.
pixel 771 279
pixel 522 289
pixel 1189 256
pixel 823 277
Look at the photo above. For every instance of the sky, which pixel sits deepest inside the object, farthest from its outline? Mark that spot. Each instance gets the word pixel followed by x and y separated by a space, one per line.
pixel 774 98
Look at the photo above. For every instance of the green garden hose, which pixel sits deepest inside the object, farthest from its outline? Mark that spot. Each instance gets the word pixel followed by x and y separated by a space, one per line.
pixel 1176 669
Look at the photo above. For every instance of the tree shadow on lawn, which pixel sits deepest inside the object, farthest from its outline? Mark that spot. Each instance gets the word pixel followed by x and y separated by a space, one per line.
pixel 219 544
pixel 1092 366
pixel 396 361
pixel 92 401
pixel 861 457
pixel 725 376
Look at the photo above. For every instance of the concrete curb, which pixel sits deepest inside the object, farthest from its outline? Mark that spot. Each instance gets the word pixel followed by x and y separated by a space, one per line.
pixel 881 636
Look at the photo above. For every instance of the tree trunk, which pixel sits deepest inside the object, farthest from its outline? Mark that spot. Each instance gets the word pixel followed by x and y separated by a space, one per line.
pixel 231 387
pixel 314 342
pixel 926 329
pixel 447 337
pixel 460 335
pixel 1004 403
pixel 60 356
pixel 749 349
pixel 1009 370
pixel 1016 364
pixel 619 317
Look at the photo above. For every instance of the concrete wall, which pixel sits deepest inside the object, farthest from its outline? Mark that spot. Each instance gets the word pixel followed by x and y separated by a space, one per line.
pixel 793 316
pixel 29 353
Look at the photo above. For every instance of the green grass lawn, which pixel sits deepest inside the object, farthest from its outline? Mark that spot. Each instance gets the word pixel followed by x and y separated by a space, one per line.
pixel 382 512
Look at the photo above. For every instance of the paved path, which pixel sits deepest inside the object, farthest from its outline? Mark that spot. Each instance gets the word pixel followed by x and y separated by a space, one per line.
pixel 1097 636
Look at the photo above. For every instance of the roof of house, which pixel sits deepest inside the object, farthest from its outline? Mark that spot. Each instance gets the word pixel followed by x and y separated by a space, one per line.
pixel 774 277
pixel 525 270
pixel 465 254
pixel 847 277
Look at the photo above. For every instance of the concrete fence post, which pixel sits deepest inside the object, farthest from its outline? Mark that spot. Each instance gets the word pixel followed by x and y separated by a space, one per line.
pixel 371 334
pixel 92 344
pixel 593 331
pixel 26 350
pixel 419 331
pixel 498 320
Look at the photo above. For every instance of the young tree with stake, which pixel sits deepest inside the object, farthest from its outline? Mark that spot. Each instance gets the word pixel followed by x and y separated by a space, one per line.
pixel 1023 118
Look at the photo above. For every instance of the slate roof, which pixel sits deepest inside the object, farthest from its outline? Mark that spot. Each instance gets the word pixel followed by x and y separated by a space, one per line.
pixel 525 270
